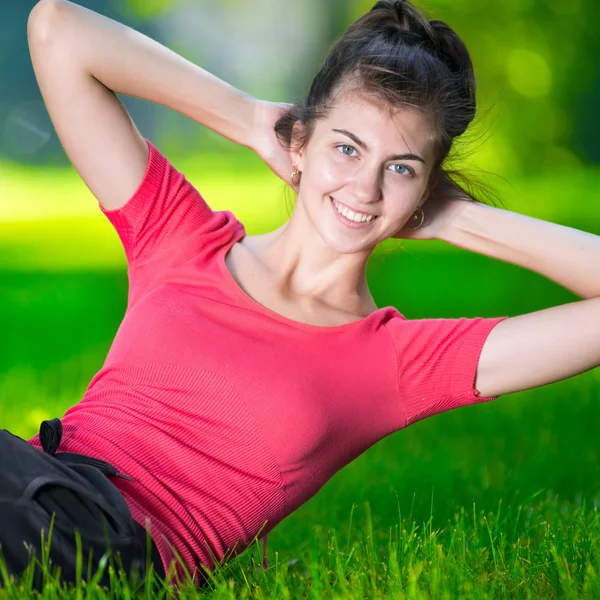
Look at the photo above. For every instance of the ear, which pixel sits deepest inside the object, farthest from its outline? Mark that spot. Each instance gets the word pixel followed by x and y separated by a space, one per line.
pixel 297 152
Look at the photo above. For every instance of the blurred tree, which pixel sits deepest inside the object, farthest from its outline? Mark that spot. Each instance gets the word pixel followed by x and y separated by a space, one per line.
pixel 144 9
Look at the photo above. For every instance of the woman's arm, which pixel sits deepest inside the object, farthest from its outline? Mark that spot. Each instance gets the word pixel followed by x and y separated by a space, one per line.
pixel 128 62
pixel 567 256
pixel 549 345
pixel 82 59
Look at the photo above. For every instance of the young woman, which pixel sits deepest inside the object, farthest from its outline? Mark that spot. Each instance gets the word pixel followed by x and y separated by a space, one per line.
pixel 248 370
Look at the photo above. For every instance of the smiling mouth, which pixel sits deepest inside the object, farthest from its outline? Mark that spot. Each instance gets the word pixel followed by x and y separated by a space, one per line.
pixel 351 215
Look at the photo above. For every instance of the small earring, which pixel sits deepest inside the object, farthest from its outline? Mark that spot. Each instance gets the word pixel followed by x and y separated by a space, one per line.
pixel 295 174
pixel 416 217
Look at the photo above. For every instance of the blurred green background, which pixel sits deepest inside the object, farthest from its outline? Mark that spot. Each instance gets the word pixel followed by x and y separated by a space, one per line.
pixel 62 276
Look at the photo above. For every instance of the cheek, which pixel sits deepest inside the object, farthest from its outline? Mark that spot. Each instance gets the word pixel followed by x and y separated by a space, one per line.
pixel 400 204
pixel 319 177
pixel 325 173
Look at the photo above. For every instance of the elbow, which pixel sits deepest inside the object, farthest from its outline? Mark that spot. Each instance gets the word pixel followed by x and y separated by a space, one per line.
pixel 43 20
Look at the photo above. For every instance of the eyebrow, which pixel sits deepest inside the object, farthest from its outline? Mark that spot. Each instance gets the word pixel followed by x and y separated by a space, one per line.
pixel 365 146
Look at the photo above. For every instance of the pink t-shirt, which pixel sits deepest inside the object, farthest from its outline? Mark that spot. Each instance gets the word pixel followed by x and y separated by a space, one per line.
pixel 226 415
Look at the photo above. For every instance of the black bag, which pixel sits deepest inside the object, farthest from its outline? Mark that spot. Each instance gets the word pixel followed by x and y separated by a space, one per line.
pixel 75 488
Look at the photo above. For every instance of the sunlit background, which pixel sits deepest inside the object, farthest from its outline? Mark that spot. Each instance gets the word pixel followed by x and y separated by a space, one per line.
pixel 63 282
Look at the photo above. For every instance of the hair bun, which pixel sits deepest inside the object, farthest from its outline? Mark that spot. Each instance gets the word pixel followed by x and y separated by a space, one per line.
pixel 404 18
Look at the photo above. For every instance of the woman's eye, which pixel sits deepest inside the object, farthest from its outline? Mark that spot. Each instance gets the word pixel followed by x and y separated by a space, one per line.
pixel 341 148
pixel 407 172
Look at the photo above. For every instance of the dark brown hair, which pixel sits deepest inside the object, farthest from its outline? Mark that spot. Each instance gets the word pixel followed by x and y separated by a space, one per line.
pixel 396 56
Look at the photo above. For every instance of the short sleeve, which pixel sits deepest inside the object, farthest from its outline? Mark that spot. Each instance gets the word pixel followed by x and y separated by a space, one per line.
pixel 437 363
pixel 163 214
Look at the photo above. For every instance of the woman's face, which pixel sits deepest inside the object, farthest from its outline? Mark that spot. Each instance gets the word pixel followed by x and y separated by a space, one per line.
pixel 373 164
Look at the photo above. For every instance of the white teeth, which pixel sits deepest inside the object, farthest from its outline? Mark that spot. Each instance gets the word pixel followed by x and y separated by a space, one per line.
pixel 351 215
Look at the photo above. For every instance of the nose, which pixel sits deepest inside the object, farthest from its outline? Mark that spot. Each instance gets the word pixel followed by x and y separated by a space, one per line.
pixel 366 186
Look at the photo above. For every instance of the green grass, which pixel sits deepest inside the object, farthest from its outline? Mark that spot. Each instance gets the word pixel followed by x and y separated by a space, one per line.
pixel 498 500
pixel 538 547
